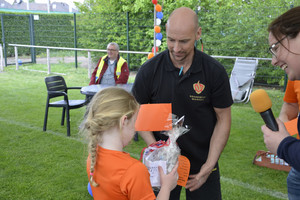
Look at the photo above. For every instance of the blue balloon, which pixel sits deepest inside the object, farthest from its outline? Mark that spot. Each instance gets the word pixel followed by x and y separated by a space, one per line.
pixel 159 15
pixel 158 36
pixel 89 189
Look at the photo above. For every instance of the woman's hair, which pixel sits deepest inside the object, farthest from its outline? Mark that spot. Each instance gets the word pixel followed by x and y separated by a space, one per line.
pixel 104 112
pixel 287 24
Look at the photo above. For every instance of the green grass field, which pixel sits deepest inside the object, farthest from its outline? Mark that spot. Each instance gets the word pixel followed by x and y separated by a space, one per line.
pixel 49 165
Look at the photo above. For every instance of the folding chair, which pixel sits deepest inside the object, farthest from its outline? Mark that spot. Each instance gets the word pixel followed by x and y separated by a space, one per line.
pixel 242 79
pixel 56 87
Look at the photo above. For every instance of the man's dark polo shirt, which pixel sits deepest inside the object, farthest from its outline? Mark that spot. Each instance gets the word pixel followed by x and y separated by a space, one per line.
pixel 204 86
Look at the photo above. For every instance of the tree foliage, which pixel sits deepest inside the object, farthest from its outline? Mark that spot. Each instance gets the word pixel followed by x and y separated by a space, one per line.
pixel 229 27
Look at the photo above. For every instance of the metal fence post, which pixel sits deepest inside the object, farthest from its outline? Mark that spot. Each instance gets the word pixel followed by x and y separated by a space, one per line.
pixel 48 60
pixel 32 38
pixel 127 30
pixel 89 64
pixel 154 34
pixel 3 40
pixel 75 40
pixel 1 59
pixel 16 58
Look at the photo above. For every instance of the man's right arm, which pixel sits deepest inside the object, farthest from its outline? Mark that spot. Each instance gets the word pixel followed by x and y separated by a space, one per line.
pixel 147 136
pixel 290 107
pixel 141 92
pixel 92 81
pixel 288 111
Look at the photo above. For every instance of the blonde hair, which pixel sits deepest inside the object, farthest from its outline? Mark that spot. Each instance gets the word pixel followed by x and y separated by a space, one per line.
pixel 104 112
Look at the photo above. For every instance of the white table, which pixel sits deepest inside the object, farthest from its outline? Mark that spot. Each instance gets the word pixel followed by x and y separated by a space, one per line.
pixel 91 90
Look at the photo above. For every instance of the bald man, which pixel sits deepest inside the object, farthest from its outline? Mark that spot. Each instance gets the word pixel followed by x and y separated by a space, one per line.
pixel 200 92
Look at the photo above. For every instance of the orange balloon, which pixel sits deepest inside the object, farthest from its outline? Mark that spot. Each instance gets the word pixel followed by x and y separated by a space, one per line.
pixel 158 8
pixel 150 55
pixel 157 29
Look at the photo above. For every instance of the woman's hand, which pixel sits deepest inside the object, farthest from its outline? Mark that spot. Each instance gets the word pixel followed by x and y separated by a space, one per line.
pixel 272 139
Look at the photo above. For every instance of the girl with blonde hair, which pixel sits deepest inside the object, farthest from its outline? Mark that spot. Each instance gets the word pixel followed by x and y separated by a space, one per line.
pixel 110 125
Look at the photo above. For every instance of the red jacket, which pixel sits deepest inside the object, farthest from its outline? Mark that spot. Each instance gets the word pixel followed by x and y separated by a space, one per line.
pixel 121 80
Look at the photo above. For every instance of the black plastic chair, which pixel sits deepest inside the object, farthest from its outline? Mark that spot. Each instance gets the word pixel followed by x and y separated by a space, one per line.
pixel 56 87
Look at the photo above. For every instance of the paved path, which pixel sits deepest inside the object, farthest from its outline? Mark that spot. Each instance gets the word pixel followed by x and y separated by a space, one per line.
pixel 82 61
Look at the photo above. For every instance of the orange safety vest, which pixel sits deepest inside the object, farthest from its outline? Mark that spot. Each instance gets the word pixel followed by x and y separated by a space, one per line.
pixel 120 63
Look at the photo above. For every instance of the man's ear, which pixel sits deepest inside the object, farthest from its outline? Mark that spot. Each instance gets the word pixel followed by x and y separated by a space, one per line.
pixel 198 33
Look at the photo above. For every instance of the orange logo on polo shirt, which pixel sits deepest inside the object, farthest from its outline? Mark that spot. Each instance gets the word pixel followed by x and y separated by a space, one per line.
pixel 198 87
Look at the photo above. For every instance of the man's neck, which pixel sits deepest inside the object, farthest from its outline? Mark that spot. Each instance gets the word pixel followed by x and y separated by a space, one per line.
pixel 111 61
pixel 186 63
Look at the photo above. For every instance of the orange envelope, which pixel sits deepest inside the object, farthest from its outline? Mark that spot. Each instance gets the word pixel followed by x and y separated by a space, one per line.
pixel 154 117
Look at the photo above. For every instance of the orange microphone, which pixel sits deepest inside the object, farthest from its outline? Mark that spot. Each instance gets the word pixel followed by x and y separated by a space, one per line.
pixel 262 104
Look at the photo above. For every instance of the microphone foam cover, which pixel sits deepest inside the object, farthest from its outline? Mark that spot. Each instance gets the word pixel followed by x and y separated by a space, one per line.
pixel 260 101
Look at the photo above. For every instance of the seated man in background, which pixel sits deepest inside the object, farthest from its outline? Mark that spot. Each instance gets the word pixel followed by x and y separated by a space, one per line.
pixel 111 69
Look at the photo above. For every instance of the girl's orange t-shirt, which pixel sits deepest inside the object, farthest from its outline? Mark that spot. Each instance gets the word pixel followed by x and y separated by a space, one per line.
pixel 120 176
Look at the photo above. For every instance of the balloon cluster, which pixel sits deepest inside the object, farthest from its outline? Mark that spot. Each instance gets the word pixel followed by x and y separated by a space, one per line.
pixel 158 35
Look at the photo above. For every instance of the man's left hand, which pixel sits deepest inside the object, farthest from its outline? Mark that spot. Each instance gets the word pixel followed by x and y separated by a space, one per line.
pixel 195 181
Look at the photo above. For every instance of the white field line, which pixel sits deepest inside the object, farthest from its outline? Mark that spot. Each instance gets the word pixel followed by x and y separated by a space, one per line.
pixel 26 68
pixel 247 186
pixel 25 125
pixel 234 182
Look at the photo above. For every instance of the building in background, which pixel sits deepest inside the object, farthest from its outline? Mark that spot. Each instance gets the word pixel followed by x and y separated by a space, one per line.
pixel 44 6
